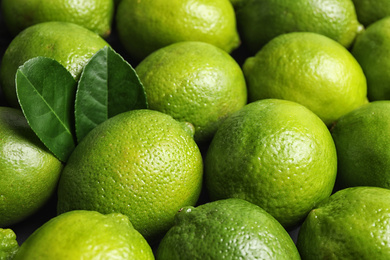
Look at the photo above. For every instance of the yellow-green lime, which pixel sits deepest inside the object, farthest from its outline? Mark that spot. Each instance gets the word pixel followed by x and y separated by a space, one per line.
pixel 28 171
pixel 276 154
pixel 260 21
pixel 141 163
pixel 226 229
pixel 369 11
pixel 148 25
pixel 372 51
pixel 81 234
pixel 194 82
pixel 8 244
pixel 95 15
pixel 310 69
pixel 362 138
pixel 69 44
pixel 352 224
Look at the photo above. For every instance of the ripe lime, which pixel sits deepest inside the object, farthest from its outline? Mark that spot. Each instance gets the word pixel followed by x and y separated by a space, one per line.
pixel 69 44
pixel 310 69
pixel 95 15
pixel 194 82
pixel 83 234
pixel 362 139
pixel 372 51
pixel 260 21
pixel 29 172
pixel 226 229
pixel 8 244
pixel 276 154
pixel 352 224
pixel 148 25
pixel 141 163
pixel 369 12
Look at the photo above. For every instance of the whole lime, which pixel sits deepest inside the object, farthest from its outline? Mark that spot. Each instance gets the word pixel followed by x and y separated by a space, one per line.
pixel 141 163
pixel 369 12
pixel 226 229
pixel 352 224
pixel 194 82
pixel 148 25
pixel 372 51
pixel 276 154
pixel 95 15
pixel 69 44
pixel 260 21
pixel 310 69
pixel 81 234
pixel 362 138
pixel 29 172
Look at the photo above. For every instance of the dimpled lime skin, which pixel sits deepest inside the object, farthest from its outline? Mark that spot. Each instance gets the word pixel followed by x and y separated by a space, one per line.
pixel 276 154
pixel 141 163
pixel 83 234
pixel 259 22
pixel 69 44
pixel 362 138
pixel 28 171
pixel 8 244
pixel 194 82
pixel 95 15
pixel 352 224
pixel 372 51
pixel 310 69
pixel 226 229
pixel 148 25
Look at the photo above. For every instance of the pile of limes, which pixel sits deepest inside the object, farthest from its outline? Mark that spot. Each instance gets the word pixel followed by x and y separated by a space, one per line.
pixel 265 132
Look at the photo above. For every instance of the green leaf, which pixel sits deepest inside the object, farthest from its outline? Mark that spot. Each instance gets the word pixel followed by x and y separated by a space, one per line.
pixel 46 92
pixel 108 86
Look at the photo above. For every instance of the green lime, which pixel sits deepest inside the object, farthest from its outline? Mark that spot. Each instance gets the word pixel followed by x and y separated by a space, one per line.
pixel 8 244
pixel 310 69
pixel 29 171
pixel 69 44
pixel 194 82
pixel 352 224
pixel 276 154
pixel 83 234
pixel 226 229
pixel 369 12
pixel 141 163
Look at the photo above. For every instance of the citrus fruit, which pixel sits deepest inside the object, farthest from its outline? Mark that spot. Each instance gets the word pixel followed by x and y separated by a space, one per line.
pixel 372 51
pixel 28 171
pixel 226 229
pixel 260 21
pixel 145 26
pixel 369 12
pixel 362 138
pixel 352 224
pixel 141 163
pixel 69 44
pixel 276 154
pixel 194 82
pixel 8 244
pixel 95 15
pixel 310 69
pixel 82 234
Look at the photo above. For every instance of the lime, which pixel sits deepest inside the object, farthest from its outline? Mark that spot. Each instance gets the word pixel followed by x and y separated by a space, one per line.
pixel 226 229
pixel 148 25
pixel 194 82
pixel 141 163
pixel 69 44
pixel 352 224
pixel 29 172
pixel 310 69
pixel 8 244
pixel 369 12
pixel 276 154
pixel 95 15
pixel 83 234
